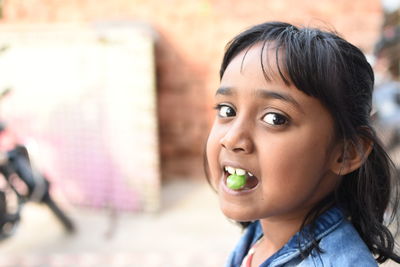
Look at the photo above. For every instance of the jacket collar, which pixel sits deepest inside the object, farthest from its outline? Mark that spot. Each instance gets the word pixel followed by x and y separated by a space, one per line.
pixel 324 224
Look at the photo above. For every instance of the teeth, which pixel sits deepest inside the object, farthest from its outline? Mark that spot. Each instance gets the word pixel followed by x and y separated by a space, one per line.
pixel 240 172
pixel 230 170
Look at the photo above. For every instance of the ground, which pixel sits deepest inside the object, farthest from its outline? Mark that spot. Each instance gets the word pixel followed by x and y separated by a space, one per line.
pixel 189 231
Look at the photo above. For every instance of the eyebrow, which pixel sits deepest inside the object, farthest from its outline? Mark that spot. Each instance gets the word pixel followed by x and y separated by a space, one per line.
pixel 263 93
pixel 225 91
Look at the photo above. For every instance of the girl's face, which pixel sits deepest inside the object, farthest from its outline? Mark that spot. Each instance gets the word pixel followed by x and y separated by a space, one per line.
pixel 283 137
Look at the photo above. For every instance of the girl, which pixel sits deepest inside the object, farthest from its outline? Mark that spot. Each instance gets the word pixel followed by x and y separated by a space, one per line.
pixel 292 154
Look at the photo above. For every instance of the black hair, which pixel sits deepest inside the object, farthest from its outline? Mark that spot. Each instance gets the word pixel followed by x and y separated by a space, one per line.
pixel 325 66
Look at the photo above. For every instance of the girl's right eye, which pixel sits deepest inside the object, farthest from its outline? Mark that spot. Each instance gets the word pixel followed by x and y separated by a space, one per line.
pixel 225 111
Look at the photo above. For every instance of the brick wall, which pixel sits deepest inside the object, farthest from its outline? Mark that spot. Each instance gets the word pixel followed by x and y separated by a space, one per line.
pixel 192 35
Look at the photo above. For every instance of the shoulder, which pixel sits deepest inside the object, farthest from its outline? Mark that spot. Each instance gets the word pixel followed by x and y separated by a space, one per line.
pixel 344 247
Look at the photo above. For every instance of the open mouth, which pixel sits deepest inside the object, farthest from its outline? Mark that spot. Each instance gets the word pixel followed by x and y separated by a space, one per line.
pixel 239 179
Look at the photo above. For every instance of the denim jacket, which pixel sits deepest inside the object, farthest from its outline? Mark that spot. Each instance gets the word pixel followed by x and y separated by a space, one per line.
pixel 338 240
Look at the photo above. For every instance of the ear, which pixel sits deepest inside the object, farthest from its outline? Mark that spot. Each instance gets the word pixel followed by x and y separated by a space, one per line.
pixel 349 156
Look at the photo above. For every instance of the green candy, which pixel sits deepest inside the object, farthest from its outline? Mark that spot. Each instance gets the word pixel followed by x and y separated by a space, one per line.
pixel 235 181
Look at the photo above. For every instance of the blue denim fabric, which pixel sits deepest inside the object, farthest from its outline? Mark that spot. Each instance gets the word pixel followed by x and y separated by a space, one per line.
pixel 339 241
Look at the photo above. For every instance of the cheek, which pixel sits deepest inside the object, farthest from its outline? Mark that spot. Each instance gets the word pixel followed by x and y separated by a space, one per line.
pixel 212 154
pixel 294 159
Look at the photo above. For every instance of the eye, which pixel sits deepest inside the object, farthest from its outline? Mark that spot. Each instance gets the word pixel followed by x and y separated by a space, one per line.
pixel 275 119
pixel 225 111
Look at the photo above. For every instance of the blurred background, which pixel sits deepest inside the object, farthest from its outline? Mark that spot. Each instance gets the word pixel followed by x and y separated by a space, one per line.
pixel 112 99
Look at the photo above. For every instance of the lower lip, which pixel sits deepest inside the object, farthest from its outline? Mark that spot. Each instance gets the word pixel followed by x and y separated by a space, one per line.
pixel 226 189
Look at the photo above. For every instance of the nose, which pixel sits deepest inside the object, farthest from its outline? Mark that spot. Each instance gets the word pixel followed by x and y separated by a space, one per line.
pixel 238 139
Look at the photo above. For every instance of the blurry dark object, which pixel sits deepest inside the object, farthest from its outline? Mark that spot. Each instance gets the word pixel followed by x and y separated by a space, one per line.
pixel 387 90
pixel 387 116
pixel 24 183
pixel 388 45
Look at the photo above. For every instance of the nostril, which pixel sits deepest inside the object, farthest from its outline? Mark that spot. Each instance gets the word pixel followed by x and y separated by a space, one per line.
pixel 238 149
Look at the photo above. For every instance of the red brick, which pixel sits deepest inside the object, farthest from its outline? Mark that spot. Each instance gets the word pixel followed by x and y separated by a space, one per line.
pixel 193 34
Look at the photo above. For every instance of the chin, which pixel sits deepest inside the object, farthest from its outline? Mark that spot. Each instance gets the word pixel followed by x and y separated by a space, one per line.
pixel 238 215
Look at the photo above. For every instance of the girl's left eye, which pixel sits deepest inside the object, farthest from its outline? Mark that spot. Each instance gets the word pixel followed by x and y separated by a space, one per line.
pixel 275 119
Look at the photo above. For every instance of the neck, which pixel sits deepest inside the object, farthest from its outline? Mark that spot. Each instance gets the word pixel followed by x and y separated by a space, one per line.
pixel 278 231
pixel 276 234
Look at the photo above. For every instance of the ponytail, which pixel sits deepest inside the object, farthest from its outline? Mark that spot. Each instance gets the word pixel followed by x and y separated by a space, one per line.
pixel 369 198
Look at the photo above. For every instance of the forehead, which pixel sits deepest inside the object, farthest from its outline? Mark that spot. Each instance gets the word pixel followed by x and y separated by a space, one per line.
pixel 257 64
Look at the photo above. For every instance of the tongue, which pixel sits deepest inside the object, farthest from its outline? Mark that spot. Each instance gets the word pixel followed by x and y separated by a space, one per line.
pixel 251 182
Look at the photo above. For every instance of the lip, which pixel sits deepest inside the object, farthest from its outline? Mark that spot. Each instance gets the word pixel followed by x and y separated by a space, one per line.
pixel 224 176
